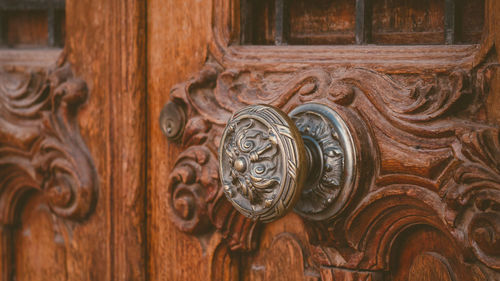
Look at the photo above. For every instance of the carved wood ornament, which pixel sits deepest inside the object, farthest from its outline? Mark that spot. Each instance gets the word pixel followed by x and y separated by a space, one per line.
pixel 427 158
pixel 41 149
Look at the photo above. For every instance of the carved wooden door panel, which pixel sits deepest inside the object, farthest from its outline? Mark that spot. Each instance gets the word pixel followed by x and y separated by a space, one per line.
pixel 109 158
pixel 422 200
pixel 72 140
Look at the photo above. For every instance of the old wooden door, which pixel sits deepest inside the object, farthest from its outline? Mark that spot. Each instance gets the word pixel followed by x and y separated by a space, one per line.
pixel 425 205
pixel 92 189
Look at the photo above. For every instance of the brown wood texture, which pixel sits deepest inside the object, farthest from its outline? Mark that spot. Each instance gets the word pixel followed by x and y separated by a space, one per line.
pixel 41 243
pixel 284 244
pixel 27 60
pixel 42 153
pixel 104 238
pixel 106 46
pixel 408 22
pixel 178 34
pixel 423 164
pixel 26 28
pixel 30 28
pixel 471 15
pixel 425 120
pixel 427 200
pixel 387 22
pixel 322 22
pixel 490 50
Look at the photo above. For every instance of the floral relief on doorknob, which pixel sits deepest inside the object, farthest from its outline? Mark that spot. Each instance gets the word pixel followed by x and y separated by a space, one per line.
pixel 261 162
pixel 271 162
pixel 333 168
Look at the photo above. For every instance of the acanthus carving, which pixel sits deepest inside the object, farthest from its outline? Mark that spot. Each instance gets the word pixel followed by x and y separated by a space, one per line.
pixel 475 194
pixel 429 156
pixel 196 201
pixel 40 144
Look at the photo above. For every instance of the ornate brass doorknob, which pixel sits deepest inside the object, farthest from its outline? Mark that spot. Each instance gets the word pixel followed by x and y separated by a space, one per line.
pixel 271 162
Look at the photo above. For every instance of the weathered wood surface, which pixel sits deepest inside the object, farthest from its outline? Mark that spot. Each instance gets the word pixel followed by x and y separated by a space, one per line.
pixel 41 154
pixel 427 208
pixel 178 34
pixel 105 48
pixel 428 198
pixel 385 22
pixel 428 168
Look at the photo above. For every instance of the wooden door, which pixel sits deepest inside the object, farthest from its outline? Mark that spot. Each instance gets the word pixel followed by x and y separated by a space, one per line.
pixel 73 141
pixel 91 189
pixel 423 207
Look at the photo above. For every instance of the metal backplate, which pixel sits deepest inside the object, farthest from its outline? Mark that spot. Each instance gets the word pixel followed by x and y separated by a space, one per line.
pixel 331 178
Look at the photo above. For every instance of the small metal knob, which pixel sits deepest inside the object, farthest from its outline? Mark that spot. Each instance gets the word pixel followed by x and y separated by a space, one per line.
pixel 268 160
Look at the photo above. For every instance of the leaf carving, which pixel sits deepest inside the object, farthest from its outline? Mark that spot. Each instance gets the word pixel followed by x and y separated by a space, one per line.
pixel 40 144
pixel 430 158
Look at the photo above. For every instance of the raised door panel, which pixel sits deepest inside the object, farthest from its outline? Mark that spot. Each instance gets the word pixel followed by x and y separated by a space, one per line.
pixel 426 202
pixel 72 149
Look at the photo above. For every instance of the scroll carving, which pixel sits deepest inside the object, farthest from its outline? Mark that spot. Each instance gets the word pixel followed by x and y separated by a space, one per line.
pixel 40 144
pixel 193 182
pixel 196 201
pixel 476 194
pixel 41 149
pixel 429 152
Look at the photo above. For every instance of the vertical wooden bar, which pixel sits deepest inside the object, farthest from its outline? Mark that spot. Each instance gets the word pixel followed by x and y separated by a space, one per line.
pixel 282 22
pixel 246 25
pixel 51 26
pixel 111 245
pixel 363 21
pixel 450 21
pixel 173 255
pixel 3 23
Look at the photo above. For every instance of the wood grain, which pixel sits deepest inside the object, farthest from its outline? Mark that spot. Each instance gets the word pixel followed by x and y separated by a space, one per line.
pixel 42 152
pixel 26 60
pixel 322 22
pixel 430 148
pixel 425 153
pixel 427 207
pixel 174 53
pixel 37 26
pixel 408 22
pixel 489 52
pixel 283 244
pixel 41 242
pixel 391 22
pixel 28 28
pixel 106 44
pixel 471 19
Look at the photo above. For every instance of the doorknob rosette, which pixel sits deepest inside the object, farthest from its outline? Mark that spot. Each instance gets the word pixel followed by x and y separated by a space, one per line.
pixel 268 160
pixel 332 180
pixel 262 162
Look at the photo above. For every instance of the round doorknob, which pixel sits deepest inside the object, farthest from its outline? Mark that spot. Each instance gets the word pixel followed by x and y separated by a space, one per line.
pixel 271 162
